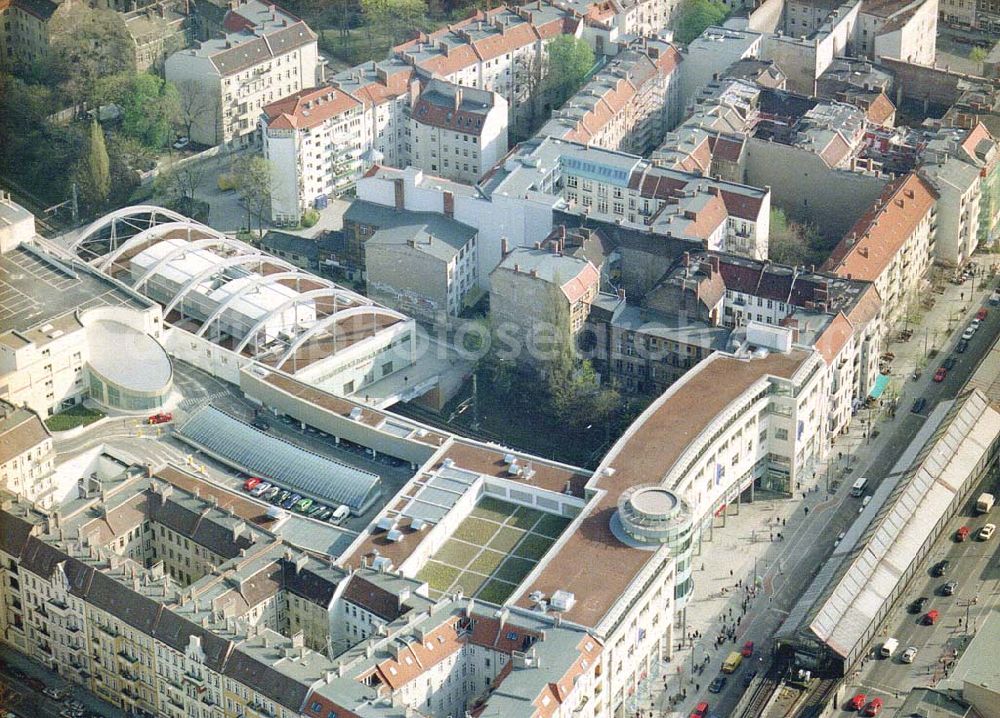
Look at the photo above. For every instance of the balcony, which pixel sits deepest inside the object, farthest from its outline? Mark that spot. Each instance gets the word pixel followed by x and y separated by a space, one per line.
pixel 58 607
pixel 196 679
pixel 122 655
pixel 108 630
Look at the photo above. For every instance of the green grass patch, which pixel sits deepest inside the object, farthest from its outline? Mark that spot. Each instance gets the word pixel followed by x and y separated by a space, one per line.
pixel 438 576
pixel 551 525
pixel 533 547
pixel 456 553
pixel 475 531
pixel 470 582
pixel 525 518
pixel 493 509
pixel 496 591
pixel 506 539
pixel 487 562
pixel 514 569
pixel 75 416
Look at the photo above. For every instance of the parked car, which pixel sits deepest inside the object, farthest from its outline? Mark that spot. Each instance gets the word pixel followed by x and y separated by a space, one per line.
pixel 969 332
pixel 281 497
pixel 340 514
pixel 917 606
pixel 931 617
pixel 873 708
pixel 982 314
pixel 270 493
pixel 34 684
pixel 919 404
pixel 749 676
pixel 987 531
pixel 941 567
pixel 53 693
pixel 261 488
pixel 181 143
pixel 303 505
pixel 949 588
pixel 858 701
pixel 962 534
pixel 162 418
pixel 717 684
pixel 291 501
pixel 326 513
pixel 962 346
pixel 747 649
pixel 700 710
pixel 315 510
pixel 949 363
pixel 940 374
pixel 909 654
pixel 995 298
pixel 251 483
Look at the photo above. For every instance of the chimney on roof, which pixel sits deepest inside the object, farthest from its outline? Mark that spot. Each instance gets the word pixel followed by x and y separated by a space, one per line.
pixel 458 98
pixel 534 273
pixel 713 261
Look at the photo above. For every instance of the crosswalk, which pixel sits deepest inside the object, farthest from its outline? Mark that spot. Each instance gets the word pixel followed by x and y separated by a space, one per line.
pixel 196 401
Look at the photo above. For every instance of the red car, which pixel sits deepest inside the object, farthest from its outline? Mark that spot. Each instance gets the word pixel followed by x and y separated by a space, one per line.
pixel 858 701
pixel 962 534
pixel 874 707
pixel 940 374
pixel 981 314
pixel 700 710
pixel 931 618
pixel 747 649
pixel 250 483
pixel 162 418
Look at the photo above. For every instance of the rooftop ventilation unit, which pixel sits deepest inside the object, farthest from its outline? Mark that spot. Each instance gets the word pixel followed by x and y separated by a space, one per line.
pixel 509 459
pixel 395 536
pixel 382 564
pixel 448 463
pixel 418 524
pixel 563 600
pixel 386 523
pixel 356 413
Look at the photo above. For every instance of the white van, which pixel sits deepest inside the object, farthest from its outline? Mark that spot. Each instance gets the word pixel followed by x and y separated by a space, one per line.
pixel 889 647
pixel 340 514
pixel 859 486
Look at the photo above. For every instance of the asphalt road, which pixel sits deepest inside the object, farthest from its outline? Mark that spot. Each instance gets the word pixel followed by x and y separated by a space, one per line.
pixel 25 702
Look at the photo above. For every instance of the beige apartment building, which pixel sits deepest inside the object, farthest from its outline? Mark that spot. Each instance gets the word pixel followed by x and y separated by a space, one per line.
pixel 891 244
pixel 265 55
pixel 26 455
pixel 456 132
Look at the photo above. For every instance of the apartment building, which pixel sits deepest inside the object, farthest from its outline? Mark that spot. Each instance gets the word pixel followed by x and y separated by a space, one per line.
pixel 422 264
pixel 157 31
pixel 266 54
pixel 313 142
pixel 963 165
pixel 27 458
pixel 620 18
pixel 901 29
pixel 532 288
pixel 456 132
pixel 712 52
pixel 173 605
pixel 891 245
pixel 24 32
pixel 628 105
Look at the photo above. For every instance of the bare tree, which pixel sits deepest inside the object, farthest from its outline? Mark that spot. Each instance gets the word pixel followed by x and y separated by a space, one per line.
pixel 195 102
pixel 252 175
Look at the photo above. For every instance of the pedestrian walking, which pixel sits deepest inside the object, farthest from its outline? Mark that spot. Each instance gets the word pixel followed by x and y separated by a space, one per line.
pixel 730 572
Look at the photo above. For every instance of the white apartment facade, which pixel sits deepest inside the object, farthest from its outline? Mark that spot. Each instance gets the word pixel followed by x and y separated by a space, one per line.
pixel 313 141
pixel 456 132
pixel 265 55
pixel 26 456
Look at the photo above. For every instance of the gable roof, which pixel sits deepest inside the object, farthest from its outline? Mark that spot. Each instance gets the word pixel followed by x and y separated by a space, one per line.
pixel 873 241
pixel 308 108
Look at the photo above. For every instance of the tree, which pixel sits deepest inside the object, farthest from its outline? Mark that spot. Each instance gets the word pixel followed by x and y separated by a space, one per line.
pixel 86 44
pixel 93 173
pixel 150 106
pixel 569 61
pixel 695 16
pixel 400 17
pixel 252 177
pixel 178 184
pixel 193 102
pixel 791 242
pixel 977 54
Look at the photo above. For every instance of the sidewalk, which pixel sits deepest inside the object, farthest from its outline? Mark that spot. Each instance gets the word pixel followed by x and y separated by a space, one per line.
pixel 744 550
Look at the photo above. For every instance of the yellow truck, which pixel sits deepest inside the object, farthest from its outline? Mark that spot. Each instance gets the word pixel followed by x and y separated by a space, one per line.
pixel 732 662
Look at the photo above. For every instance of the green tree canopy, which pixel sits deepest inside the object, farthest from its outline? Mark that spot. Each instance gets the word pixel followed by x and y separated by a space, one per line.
pixel 695 16
pixel 85 45
pixel 151 107
pixel 93 173
pixel 252 177
pixel 569 61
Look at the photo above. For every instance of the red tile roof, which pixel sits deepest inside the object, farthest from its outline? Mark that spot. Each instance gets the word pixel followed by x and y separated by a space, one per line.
pixel 881 110
pixel 873 241
pixel 308 108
